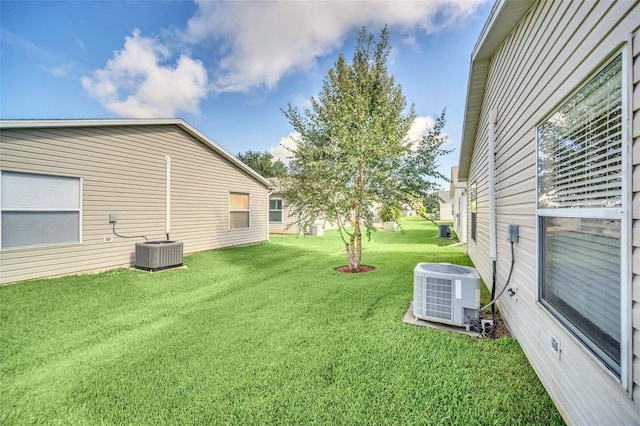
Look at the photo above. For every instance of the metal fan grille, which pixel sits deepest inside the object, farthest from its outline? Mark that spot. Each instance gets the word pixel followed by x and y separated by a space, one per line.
pixel 439 298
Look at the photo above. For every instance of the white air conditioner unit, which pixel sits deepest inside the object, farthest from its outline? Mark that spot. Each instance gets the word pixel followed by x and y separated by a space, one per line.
pixel 446 293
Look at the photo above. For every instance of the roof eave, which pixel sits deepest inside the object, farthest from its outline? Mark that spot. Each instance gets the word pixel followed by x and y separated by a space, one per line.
pixel 503 18
pixel 18 124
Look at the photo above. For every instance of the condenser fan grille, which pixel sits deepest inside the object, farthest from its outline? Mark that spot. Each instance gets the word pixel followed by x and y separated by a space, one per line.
pixel 439 298
pixel 445 293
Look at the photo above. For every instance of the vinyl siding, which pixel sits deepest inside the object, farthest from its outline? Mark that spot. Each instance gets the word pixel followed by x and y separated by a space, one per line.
pixel 635 158
pixel 460 213
pixel 123 172
pixel 554 48
pixel 281 228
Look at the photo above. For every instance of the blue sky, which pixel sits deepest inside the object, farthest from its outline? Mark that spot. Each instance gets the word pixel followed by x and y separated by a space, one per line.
pixel 227 67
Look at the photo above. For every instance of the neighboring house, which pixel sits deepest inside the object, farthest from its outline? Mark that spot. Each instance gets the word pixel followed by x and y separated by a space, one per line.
pixel 280 219
pixel 62 179
pixel 551 143
pixel 459 201
pixel 446 206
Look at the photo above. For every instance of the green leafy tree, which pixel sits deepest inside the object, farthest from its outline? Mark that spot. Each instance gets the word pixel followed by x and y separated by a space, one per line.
pixel 389 213
pixel 432 203
pixel 352 152
pixel 263 163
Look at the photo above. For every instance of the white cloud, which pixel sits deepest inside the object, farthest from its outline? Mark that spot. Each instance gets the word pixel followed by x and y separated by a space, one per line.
pixel 139 81
pixel 263 41
pixel 419 128
pixel 281 151
pixel 256 42
pixel 61 71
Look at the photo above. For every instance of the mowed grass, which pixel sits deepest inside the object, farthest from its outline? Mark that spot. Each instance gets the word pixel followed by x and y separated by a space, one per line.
pixel 267 334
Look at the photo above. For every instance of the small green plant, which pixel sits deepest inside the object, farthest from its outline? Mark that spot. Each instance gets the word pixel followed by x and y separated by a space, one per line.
pixel 390 213
pixel 422 212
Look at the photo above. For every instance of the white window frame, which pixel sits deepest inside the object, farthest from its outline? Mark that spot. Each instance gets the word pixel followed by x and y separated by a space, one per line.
pixel 79 210
pixel 281 210
pixel 622 214
pixel 231 210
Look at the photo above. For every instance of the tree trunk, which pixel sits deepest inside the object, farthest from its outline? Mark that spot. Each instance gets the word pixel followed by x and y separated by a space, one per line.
pixel 355 243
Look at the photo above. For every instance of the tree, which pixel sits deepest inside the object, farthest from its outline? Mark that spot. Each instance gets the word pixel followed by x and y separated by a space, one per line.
pixel 263 163
pixel 432 202
pixel 352 152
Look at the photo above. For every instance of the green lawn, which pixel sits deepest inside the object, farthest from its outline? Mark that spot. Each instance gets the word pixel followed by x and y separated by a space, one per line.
pixel 267 334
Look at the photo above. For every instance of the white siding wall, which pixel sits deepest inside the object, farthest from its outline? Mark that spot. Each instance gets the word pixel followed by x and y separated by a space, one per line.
pixel 281 228
pixel 446 211
pixel 123 172
pixel 460 213
pixel 636 215
pixel 548 55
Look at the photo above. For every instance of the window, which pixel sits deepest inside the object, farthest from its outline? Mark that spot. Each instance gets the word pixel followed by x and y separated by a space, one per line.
pixel 39 209
pixel 473 195
pixel 239 213
pixel 580 181
pixel 275 210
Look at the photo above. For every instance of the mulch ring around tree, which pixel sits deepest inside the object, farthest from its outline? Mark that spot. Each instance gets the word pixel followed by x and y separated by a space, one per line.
pixel 347 269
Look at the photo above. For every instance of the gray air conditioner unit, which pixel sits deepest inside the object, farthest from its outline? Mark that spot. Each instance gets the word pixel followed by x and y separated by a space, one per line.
pixel 444 231
pixel 157 255
pixel 446 293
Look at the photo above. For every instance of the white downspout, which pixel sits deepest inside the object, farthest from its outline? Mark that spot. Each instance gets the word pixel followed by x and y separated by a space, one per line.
pixel 492 190
pixel 269 192
pixel 167 193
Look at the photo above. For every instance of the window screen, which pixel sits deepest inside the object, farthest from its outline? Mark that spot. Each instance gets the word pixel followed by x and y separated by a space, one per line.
pixel 275 210
pixel 579 186
pixel 580 146
pixel 39 209
pixel 581 276
pixel 239 210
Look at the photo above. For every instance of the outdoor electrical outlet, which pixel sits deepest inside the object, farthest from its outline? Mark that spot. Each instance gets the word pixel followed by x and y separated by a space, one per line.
pixel 113 218
pixel 514 231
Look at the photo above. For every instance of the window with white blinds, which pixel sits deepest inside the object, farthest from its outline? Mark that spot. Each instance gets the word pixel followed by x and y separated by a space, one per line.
pixel 580 146
pixel 37 210
pixel 581 280
pixel 579 209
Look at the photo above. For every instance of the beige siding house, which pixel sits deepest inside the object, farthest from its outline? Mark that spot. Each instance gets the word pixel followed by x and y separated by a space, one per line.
pixel 61 180
pixel 551 143
pixel 457 191
pixel 280 219
pixel 446 205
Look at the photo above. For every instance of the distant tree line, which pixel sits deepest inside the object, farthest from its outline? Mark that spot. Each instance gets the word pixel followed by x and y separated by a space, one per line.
pixel 263 163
